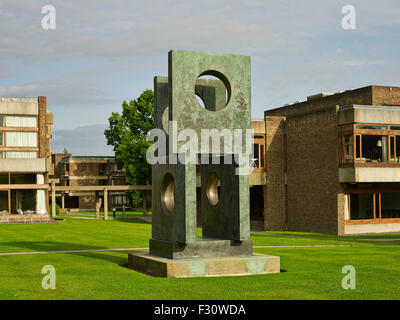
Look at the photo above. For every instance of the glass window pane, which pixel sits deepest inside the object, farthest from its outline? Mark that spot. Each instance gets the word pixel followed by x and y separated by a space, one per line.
pixel 395 128
pixel 358 142
pixel 348 149
pixel 3 201
pixel 1 121
pixel 390 205
pixel 398 148
pixel 4 178
pixel 262 155
pixel 21 154
pixel 1 138
pixel 23 200
pixel 374 148
pixel 256 155
pixel 361 206
pixel 21 139
pixel 392 149
pixel 21 121
pixel 370 127
pixel 23 179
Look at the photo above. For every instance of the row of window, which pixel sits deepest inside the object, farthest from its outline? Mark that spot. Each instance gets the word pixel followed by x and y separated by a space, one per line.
pixel 18 121
pixel 365 143
pixel 18 139
pixel 18 154
pixel 371 149
pixel 21 178
pixel 372 206
pixel 120 200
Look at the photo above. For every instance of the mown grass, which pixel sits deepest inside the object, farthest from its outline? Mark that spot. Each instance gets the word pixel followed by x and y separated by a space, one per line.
pixel 308 272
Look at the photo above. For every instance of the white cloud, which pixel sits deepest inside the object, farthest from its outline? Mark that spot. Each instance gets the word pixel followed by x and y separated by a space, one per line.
pixel 81 141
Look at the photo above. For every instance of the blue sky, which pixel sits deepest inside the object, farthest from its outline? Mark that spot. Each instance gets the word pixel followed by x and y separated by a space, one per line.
pixel 103 52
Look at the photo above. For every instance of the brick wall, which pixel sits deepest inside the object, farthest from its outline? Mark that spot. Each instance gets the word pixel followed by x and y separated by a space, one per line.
pixel 312 172
pixel 42 127
pixel 385 96
pixel 84 169
pixel 274 191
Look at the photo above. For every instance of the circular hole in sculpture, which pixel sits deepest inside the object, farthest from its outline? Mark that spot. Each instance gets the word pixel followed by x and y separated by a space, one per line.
pixel 168 193
pixel 212 90
pixel 213 189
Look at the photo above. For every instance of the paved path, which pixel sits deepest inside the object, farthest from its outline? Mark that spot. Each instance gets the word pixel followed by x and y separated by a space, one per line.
pixel 135 249
pixel 383 240
pixel 69 251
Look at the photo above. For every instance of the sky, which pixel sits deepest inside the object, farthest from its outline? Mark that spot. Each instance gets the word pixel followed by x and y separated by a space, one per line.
pixel 103 52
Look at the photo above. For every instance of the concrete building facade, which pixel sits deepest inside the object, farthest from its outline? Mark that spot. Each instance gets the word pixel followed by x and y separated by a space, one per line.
pixel 333 163
pixel 25 158
pixel 88 171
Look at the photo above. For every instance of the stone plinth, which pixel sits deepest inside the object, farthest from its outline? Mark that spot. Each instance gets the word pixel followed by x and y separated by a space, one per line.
pixel 202 248
pixel 204 267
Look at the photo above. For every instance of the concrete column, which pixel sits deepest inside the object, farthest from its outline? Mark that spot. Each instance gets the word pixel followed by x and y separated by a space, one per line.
pixel 62 200
pixel 105 204
pixel 97 205
pixel 144 203
pixel 53 199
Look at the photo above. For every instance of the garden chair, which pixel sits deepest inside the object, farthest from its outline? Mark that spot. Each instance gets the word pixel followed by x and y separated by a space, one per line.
pixel 28 216
pixel 4 216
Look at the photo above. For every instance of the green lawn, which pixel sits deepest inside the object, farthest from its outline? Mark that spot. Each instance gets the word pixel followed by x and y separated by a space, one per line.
pixel 308 272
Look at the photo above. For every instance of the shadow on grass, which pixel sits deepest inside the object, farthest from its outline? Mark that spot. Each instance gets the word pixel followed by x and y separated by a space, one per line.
pixel 50 246
pixel 131 220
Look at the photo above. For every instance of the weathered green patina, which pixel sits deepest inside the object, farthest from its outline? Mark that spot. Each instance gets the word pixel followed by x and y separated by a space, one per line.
pixel 227 106
pixel 226 247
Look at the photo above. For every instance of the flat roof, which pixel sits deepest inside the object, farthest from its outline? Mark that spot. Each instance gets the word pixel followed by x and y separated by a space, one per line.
pixel 88 158
pixel 361 106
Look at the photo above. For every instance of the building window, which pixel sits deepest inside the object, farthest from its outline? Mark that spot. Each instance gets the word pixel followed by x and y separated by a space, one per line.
pixel 4 201
pixel 390 205
pixel 258 160
pixel 102 168
pixel 361 206
pixel 1 138
pixel 373 206
pixel 21 121
pixel 1 121
pixel 374 149
pixel 371 127
pixel 21 139
pixel 347 149
pixel 120 200
pixel 21 154
pixel 370 144
pixel 23 178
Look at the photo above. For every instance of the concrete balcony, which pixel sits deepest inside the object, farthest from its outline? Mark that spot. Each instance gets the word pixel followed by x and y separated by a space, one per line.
pixel 369 174
pixel 23 165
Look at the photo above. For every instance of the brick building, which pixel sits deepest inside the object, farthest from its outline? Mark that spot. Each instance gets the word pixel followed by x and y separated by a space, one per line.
pixel 88 171
pixel 333 163
pixel 25 158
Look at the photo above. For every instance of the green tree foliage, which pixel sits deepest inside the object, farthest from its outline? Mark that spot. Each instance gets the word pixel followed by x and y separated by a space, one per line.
pixel 127 134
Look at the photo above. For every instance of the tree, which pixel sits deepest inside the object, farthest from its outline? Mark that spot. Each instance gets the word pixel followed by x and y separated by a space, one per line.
pixel 65 151
pixel 127 134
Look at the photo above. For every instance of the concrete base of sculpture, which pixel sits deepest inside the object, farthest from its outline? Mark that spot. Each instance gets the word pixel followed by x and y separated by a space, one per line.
pixel 204 247
pixel 203 267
